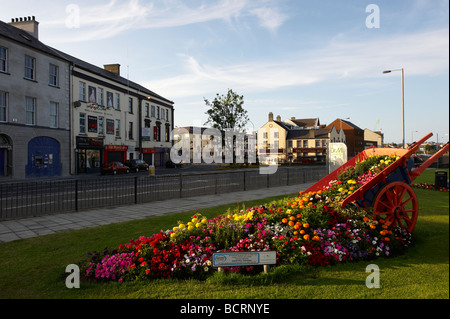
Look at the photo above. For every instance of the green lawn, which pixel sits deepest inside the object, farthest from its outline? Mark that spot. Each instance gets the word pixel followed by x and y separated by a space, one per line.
pixel 35 267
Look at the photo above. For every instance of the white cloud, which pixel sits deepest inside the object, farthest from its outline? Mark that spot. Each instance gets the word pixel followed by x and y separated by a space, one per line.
pixel 420 54
pixel 106 20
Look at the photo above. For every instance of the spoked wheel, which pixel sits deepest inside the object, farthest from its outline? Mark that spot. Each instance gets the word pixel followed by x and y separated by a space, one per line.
pixel 397 203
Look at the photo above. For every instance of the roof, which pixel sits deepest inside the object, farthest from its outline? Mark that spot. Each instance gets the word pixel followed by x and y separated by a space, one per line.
pixel 25 38
pixel 321 133
pixel 307 123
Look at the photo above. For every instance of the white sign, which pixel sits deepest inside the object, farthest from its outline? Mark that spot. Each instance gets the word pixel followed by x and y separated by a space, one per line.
pixel 231 259
pixel 337 156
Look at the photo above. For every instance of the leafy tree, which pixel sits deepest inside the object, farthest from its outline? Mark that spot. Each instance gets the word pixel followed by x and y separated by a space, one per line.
pixel 226 112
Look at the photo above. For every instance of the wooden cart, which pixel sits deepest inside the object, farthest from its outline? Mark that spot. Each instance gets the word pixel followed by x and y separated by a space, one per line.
pixel 388 193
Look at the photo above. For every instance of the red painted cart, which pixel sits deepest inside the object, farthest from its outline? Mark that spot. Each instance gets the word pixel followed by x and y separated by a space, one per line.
pixel 388 193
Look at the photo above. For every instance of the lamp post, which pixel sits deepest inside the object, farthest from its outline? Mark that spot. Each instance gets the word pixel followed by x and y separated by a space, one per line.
pixel 403 103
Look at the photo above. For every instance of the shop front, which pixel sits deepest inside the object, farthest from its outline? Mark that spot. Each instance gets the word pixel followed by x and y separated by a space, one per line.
pixel 116 153
pixel 89 155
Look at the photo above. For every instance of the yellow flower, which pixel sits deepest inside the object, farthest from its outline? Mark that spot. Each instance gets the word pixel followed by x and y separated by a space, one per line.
pixel 173 235
pixel 198 225
pixel 182 226
pixel 194 220
pixel 175 228
pixel 190 227
pixel 204 220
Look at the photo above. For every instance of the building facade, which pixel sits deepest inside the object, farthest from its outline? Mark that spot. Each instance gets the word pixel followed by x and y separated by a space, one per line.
pixel 34 104
pixel 62 116
pixel 296 140
pixel 353 134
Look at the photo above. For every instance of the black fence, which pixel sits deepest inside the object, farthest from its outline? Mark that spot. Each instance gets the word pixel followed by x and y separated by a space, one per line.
pixel 35 198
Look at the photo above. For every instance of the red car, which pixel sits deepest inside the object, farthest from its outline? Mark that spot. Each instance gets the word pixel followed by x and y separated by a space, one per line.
pixel 114 168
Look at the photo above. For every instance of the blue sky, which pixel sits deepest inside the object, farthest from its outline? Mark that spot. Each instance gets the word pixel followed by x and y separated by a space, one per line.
pixel 298 58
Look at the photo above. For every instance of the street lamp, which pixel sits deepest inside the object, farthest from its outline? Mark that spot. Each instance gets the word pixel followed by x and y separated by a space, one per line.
pixel 403 102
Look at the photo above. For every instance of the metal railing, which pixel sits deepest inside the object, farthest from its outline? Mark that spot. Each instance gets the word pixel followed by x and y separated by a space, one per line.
pixel 35 198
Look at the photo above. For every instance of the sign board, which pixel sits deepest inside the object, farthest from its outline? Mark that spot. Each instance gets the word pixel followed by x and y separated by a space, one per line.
pixel 337 156
pixel 254 258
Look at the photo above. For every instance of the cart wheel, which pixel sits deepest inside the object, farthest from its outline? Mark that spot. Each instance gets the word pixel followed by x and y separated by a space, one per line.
pixel 397 203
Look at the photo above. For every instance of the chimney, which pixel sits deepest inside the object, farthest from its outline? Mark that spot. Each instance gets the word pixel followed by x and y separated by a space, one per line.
pixel 270 117
pixel 28 24
pixel 113 68
pixel 278 118
pixel 293 118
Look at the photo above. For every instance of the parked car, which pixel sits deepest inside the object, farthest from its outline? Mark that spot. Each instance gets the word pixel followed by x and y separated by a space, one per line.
pixel 137 165
pixel 114 168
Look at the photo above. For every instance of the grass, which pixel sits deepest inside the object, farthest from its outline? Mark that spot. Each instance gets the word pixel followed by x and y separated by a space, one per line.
pixel 34 268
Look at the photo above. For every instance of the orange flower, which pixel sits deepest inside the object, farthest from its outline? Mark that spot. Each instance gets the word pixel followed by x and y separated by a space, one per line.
pixel 306 225
pixel 299 215
pixel 284 220
pixel 306 237
pixel 316 238
pixel 302 232
pixel 291 223
pixel 386 239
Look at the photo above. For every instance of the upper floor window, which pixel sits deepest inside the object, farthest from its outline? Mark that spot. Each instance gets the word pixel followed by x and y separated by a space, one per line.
pixel 53 114
pixel 117 102
pixel 53 75
pixel 3 105
pixel 147 110
pixel 82 91
pixel 30 110
pixel 100 96
pixel 130 105
pixel 30 68
pixel 153 111
pixel 3 59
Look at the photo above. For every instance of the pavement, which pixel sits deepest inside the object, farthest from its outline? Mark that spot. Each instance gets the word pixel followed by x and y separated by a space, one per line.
pixel 17 229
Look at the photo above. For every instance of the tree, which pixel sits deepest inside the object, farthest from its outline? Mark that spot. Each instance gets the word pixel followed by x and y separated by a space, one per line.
pixel 226 112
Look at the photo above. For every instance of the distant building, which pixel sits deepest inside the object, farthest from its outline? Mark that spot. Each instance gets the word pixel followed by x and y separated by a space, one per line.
pixel 296 140
pixel 353 134
pixel 373 139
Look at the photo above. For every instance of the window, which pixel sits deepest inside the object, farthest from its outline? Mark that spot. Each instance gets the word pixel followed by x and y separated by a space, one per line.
pixel 100 96
pixel 147 110
pixel 82 93
pixel 317 143
pixel 156 133
pixel 130 130
pixel 101 129
pixel 163 114
pixel 117 102
pixel 53 75
pixel 117 128
pixel 167 115
pixel 3 59
pixel 130 105
pixel 30 68
pixel 30 110
pixel 3 105
pixel 53 114
pixel 305 144
pixel 82 123
pixel 289 144
pixel 109 126
pixel 324 143
pixel 109 99
pixel 265 135
pixel 157 112
pixel 167 133
pixel 153 111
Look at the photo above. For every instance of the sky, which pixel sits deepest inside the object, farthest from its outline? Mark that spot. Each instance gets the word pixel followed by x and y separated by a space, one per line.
pixel 295 58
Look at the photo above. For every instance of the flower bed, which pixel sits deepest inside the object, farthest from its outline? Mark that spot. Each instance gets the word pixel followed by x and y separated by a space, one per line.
pixel 309 229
